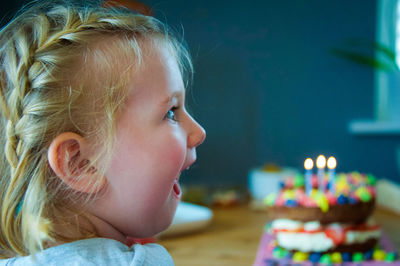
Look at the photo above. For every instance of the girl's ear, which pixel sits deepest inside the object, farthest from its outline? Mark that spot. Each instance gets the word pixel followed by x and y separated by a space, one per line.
pixel 67 156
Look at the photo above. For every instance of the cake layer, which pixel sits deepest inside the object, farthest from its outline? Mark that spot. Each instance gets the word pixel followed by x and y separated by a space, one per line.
pixel 314 237
pixel 357 247
pixel 347 189
pixel 356 213
pixel 351 248
pixel 319 242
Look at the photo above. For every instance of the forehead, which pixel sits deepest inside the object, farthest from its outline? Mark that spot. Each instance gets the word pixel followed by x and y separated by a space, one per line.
pixel 130 64
pixel 158 74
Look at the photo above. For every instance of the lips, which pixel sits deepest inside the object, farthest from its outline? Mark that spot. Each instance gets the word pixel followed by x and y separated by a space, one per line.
pixel 177 189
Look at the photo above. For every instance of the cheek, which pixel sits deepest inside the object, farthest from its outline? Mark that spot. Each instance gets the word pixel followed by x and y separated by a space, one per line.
pixel 156 160
pixel 171 152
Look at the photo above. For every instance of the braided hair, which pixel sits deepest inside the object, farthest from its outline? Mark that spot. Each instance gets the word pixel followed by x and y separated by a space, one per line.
pixel 54 78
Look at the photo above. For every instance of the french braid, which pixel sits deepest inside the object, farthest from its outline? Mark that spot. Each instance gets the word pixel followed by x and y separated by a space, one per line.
pixel 39 52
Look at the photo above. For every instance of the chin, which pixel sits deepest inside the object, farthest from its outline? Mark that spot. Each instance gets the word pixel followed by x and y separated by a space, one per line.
pixel 166 222
pixel 154 231
pixel 160 226
pixel 159 222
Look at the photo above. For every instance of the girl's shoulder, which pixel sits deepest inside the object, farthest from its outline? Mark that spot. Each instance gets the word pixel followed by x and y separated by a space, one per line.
pixel 97 251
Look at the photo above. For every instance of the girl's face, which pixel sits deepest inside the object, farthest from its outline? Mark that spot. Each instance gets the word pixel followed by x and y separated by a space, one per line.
pixel 156 141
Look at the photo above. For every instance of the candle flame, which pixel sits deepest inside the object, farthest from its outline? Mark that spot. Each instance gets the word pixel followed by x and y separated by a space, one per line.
pixel 308 164
pixel 321 161
pixel 331 162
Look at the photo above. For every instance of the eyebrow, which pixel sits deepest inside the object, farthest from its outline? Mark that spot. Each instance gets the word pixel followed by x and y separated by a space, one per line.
pixel 170 98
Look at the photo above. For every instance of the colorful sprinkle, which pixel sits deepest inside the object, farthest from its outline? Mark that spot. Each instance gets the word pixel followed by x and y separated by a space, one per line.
pixel 371 180
pixel 379 255
pixel 325 259
pixel 279 253
pixel 365 197
pixel 363 194
pixel 342 199
pixel 332 200
pixel 322 202
pixel 299 192
pixel 356 177
pixel 336 257
pixel 270 199
pixel 341 176
pixel 280 201
pixel 309 202
pixel 353 200
pixel 358 257
pixel 391 256
pixel 289 194
pixel 298 181
pixel 288 255
pixel 346 256
pixel 372 190
pixel 289 182
pixel 291 203
pixel 368 255
pixel 314 192
pixel 351 188
pixel 300 256
pixel 315 257
pixel 342 185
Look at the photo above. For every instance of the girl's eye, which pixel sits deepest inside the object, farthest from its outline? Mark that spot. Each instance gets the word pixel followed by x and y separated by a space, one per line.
pixel 171 114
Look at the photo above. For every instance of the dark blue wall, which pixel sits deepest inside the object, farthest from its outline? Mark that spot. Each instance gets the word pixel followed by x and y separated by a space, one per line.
pixel 268 89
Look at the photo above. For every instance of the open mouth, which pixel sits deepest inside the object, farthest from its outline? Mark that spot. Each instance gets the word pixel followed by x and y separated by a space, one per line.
pixel 177 189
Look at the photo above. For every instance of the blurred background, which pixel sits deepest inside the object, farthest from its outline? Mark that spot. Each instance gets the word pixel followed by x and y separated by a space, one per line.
pixel 270 88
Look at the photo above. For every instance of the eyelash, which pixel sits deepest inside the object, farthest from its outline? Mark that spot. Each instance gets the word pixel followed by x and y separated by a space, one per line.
pixel 172 111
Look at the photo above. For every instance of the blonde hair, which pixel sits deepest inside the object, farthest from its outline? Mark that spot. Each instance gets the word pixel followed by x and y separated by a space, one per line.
pixel 52 70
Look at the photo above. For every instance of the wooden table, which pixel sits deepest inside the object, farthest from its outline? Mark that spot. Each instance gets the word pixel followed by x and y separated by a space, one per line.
pixel 233 238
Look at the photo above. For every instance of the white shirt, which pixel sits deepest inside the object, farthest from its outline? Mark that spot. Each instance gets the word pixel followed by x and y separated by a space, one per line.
pixel 98 252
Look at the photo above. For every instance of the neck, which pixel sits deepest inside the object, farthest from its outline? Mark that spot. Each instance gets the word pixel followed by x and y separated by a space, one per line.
pixel 91 225
pixel 106 230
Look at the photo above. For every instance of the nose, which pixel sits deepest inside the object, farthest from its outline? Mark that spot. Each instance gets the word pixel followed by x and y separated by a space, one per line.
pixel 196 135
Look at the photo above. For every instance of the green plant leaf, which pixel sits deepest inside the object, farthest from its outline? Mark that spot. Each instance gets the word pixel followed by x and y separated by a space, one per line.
pixel 363 59
pixel 376 46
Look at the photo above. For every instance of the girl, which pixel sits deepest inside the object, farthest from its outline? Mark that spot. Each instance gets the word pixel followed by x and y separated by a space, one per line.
pixel 95 135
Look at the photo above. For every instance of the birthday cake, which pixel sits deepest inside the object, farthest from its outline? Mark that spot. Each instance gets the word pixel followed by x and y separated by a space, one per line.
pixel 322 214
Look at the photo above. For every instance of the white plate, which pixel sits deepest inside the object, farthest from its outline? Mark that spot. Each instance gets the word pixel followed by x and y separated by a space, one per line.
pixel 188 218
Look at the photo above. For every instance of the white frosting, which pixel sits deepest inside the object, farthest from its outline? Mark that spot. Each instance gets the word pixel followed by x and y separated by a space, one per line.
pixel 312 226
pixel 353 237
pixel 313 241
pixel 286 224
pixel 304 242
pixel 336 226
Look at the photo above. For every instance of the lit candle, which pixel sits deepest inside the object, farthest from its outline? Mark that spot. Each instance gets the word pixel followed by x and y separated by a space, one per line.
pixel 308 165
pixel 321 163
pixel 331 167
